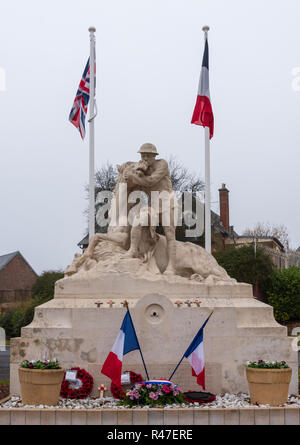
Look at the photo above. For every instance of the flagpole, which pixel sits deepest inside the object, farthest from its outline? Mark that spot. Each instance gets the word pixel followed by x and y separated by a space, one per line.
pixel 92 30
pixel 176 367
pixel 205 29
pixel 127 307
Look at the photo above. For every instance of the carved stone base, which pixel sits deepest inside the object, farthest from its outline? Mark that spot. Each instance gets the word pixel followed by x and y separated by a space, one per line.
pixel 128 285
pixel 80 325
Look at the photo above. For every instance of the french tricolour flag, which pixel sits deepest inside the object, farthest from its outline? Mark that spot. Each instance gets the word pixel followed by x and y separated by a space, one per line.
pixel 126 341
pixel 203 114
pixel 195 356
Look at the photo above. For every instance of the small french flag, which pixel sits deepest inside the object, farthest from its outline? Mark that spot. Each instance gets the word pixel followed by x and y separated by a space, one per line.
pixel 126 341
pixel 203 114
pixel 195 356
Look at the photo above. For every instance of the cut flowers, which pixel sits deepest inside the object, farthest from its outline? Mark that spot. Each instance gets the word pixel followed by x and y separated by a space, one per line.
pixel 153 394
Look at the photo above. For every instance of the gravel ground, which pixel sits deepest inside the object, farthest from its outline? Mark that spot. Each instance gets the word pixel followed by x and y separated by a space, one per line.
pixel 222 401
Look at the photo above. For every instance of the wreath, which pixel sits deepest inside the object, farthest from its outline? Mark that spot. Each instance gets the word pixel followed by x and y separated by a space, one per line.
pixel 79 389
pixel 117 391
pixel 200 397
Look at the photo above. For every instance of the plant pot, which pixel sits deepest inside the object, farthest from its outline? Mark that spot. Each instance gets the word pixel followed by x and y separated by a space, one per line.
pixel 40 386
pixel 269 386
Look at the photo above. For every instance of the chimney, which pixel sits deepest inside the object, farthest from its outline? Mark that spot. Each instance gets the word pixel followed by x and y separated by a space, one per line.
pixel 224 206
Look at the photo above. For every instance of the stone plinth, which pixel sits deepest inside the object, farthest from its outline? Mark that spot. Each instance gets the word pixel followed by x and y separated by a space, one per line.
pixel 72 328
pixel 126 285
pixel 153 416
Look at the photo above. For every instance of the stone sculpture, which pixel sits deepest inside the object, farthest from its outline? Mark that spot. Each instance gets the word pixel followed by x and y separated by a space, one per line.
pixel 156 254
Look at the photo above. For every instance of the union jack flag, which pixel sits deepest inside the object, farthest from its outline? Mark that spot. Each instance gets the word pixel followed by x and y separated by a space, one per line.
pixel 80 105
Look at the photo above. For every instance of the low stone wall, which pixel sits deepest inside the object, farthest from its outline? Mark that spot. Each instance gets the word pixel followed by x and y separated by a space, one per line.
pixel 153 416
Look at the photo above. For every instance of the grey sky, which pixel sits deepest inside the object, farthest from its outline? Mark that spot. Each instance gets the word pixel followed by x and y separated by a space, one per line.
pixel 148 64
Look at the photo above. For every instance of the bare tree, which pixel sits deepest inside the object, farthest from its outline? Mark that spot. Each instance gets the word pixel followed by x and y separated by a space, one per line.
pixel 182 179
pixel 105 178
pixel 278 231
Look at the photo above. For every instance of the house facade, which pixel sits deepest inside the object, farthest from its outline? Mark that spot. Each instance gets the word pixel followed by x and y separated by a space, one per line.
pixel 271 245
pixel 16 279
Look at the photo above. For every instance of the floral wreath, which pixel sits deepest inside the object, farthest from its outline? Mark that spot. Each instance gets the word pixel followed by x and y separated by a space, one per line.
pixel 117 391
pixel 79 389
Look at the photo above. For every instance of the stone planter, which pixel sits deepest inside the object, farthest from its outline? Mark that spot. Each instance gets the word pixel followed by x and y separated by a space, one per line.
pixel 40 387
pixel 269 386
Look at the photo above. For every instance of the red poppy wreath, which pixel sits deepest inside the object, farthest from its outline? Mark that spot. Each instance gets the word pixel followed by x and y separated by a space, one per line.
pixel 117 391
pixel 79 389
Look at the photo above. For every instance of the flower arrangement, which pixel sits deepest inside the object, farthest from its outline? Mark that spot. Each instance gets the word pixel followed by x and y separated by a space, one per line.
pixel 80 389
pixel 40 364
pixel 153 394
pixel 267 365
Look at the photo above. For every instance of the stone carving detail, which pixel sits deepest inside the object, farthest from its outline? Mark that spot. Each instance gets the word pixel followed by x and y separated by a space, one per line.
pixel 137 248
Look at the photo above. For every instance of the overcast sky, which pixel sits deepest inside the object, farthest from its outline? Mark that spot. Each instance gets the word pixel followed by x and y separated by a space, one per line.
pixel 149 55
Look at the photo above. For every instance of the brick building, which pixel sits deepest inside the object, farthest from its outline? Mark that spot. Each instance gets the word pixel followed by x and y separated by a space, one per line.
pixel 16 279
pixel 271 245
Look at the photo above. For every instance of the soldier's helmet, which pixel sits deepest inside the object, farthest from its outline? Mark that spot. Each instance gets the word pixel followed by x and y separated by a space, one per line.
pixel 148 148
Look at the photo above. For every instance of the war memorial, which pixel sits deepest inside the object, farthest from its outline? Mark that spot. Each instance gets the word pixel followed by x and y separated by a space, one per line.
pixel 171 287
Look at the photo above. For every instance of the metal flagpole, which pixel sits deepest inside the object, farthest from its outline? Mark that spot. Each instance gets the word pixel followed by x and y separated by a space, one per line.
pixel 92 30
pixel 205 29
pixel 185 351
pixel 207 192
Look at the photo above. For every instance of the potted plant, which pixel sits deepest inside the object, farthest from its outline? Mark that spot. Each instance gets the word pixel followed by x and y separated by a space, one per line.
pixel 40 382
pixel 268 382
